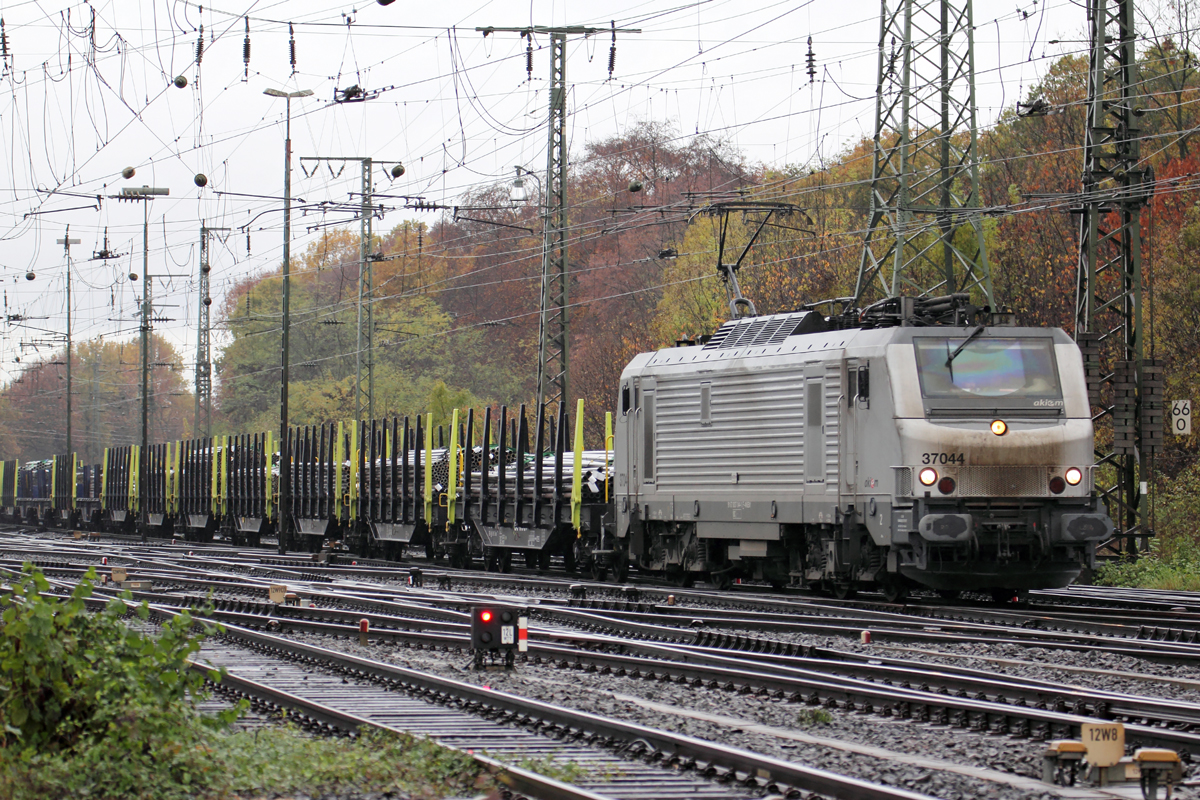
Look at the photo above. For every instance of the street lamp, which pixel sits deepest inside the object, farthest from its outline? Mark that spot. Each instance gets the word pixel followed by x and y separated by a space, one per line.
pixel 517 192
pixel 285 456
pixel 144 193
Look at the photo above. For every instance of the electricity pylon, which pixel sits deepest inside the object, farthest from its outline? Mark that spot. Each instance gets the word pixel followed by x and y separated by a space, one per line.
pixel 925 235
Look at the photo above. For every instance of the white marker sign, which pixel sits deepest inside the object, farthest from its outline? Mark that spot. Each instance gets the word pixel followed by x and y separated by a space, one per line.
pixel 1181 417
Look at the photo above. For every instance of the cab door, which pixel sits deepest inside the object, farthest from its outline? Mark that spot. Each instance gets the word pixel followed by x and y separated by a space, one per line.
pixel 851 432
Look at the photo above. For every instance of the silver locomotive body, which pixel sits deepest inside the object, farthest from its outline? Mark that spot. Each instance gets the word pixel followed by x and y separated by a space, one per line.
pixel 947 457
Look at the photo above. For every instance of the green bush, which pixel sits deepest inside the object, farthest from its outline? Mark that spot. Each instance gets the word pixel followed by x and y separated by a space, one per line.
pixel 68 675
pixel 91 707
pixel 92 698
pixel 1173 562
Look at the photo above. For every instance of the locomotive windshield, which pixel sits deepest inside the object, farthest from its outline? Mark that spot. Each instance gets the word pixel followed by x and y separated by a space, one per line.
pixel 987 368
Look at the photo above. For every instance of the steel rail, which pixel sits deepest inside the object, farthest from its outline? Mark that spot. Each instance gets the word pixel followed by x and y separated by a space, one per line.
pixel 514 778
pixel 903 690
pixel 670 746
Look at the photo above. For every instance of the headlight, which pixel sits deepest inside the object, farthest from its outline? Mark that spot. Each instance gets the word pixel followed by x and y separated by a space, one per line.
pixel 999 427
pixel 1074 475
pixel 928 476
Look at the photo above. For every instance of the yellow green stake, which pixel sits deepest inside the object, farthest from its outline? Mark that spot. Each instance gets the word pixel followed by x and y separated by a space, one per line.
pixel 576 489
pixel 608 446
pixel 452 480
pixel 429 469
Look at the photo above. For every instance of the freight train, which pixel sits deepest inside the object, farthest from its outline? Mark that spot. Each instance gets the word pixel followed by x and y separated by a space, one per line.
pixel 917 443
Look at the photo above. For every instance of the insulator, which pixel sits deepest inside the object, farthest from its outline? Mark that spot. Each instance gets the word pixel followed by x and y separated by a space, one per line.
pixel 811 60
pixel 612 50
pixel 3 40
pixel 292 46
pixel 529 58
pixel 246 48
pixel 200 45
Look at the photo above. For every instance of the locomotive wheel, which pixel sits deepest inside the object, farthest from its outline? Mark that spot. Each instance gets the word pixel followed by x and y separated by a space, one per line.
pixel 620 566
pixel 506 561
pixel 543 559
pixel 682 579
pixel 597 571
pixel 531 559
pixel 722 580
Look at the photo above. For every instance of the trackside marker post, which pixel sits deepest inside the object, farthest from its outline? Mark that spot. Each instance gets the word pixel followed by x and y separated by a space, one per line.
pixel 364 627
pixel 522 634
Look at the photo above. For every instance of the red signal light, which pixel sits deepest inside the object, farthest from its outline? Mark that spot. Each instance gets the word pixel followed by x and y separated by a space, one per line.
pixel 485 615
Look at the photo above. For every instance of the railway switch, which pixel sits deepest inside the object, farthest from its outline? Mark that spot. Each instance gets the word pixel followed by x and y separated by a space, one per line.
pixel 494 631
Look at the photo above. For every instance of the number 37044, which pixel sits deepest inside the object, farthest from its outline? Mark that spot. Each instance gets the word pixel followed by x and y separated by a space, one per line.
pixel 943 458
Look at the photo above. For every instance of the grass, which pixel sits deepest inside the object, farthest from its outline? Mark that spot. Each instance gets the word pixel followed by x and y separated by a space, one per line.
pixel 91 707
pixel 813 716
pixel 248 764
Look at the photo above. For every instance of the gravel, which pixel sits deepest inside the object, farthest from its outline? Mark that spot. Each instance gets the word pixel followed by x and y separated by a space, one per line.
pixel 610 696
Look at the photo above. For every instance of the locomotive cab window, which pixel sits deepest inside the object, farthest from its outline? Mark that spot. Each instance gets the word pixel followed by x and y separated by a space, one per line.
pixel 966 368
pixel 625 399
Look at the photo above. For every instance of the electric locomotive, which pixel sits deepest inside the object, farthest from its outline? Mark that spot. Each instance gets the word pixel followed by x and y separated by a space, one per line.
pixel 921 443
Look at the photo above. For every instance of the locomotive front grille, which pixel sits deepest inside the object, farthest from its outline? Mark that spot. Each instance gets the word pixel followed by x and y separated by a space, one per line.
pixel 1003 482
pixel 1009 481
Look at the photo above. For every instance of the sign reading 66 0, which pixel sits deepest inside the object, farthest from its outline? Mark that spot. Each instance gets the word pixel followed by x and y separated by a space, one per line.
pixel 1181 417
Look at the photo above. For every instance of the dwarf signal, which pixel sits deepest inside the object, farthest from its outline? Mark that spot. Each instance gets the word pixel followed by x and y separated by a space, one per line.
pixel 497 629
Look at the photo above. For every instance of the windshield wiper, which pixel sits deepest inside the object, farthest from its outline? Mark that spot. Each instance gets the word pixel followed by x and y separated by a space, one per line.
pixel 951 356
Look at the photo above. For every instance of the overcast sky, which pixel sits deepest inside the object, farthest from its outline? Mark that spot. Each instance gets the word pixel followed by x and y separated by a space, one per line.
pixel 87 91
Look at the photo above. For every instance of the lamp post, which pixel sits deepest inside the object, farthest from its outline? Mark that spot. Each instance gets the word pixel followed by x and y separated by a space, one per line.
pixel 285 456
pixel 519 194
pixel 66 242
pixel 144 193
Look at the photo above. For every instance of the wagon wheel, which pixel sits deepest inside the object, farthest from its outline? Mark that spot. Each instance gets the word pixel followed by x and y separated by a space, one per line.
pixel 844 591
pixel 894 591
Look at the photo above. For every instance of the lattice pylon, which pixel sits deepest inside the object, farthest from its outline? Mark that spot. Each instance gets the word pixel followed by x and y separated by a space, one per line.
pixel 925 232
pixel 554 343
pixel 1124 388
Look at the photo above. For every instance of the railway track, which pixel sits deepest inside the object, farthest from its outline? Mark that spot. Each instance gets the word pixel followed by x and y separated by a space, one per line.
pixel 512 729
pixel 698 645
